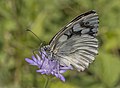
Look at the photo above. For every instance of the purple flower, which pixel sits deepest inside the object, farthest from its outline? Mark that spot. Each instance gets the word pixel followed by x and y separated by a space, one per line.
pixel 48 65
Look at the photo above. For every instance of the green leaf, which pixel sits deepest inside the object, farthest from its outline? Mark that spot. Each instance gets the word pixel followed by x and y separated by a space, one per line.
pixel 106 68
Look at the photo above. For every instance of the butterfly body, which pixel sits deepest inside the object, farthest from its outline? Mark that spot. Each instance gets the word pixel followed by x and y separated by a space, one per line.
pixel 76 44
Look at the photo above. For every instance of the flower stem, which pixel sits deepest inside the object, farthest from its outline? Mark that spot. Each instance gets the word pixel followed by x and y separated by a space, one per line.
pixel 46 83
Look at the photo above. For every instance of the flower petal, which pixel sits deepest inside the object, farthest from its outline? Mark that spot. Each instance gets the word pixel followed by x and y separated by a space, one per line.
pixel 30 61
pixel 41 70
pixel 56 75
pixel 34 58
pixel 38 57
pixel 66 68
pixel 62 77
pixel 62 71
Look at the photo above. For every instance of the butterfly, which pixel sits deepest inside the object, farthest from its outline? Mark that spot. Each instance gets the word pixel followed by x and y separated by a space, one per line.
pixel 76 44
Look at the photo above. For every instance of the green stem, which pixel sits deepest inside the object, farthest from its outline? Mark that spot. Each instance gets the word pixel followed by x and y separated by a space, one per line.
pixel 46 83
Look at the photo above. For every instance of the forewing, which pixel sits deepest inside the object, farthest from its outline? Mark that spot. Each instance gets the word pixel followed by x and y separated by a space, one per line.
pixel 76 43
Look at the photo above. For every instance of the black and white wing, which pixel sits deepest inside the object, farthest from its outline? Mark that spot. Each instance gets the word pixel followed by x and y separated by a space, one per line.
pixel 76 43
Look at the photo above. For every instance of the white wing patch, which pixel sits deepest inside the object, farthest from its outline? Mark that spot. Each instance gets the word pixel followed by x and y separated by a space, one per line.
pixel 63 38
pixel 85 31
pixel 77 27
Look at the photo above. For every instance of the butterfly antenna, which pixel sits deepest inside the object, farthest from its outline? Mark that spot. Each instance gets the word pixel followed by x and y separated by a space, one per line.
pixel 42 42
pixel 32 33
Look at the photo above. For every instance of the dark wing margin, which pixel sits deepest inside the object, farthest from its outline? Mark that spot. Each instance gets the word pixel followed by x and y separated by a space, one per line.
pixel 76 43
pixel 83 15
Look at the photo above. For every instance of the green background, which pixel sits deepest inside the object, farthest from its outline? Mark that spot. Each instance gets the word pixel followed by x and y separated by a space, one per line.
pixel 45 18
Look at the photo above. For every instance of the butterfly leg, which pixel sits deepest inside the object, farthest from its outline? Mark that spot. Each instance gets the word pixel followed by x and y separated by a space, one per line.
pixel 33 51
pixel 38 49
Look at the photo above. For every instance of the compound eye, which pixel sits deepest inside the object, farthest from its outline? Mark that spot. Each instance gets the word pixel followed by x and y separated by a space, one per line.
pixel 45 48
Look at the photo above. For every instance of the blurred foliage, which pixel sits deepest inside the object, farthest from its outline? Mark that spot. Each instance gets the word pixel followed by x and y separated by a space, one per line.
pixel 45 18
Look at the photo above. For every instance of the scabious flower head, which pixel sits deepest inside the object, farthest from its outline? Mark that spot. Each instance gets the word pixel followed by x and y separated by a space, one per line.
pixel 48 65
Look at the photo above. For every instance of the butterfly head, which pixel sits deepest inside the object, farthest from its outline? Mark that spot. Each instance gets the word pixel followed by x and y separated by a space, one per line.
pixel 46 49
